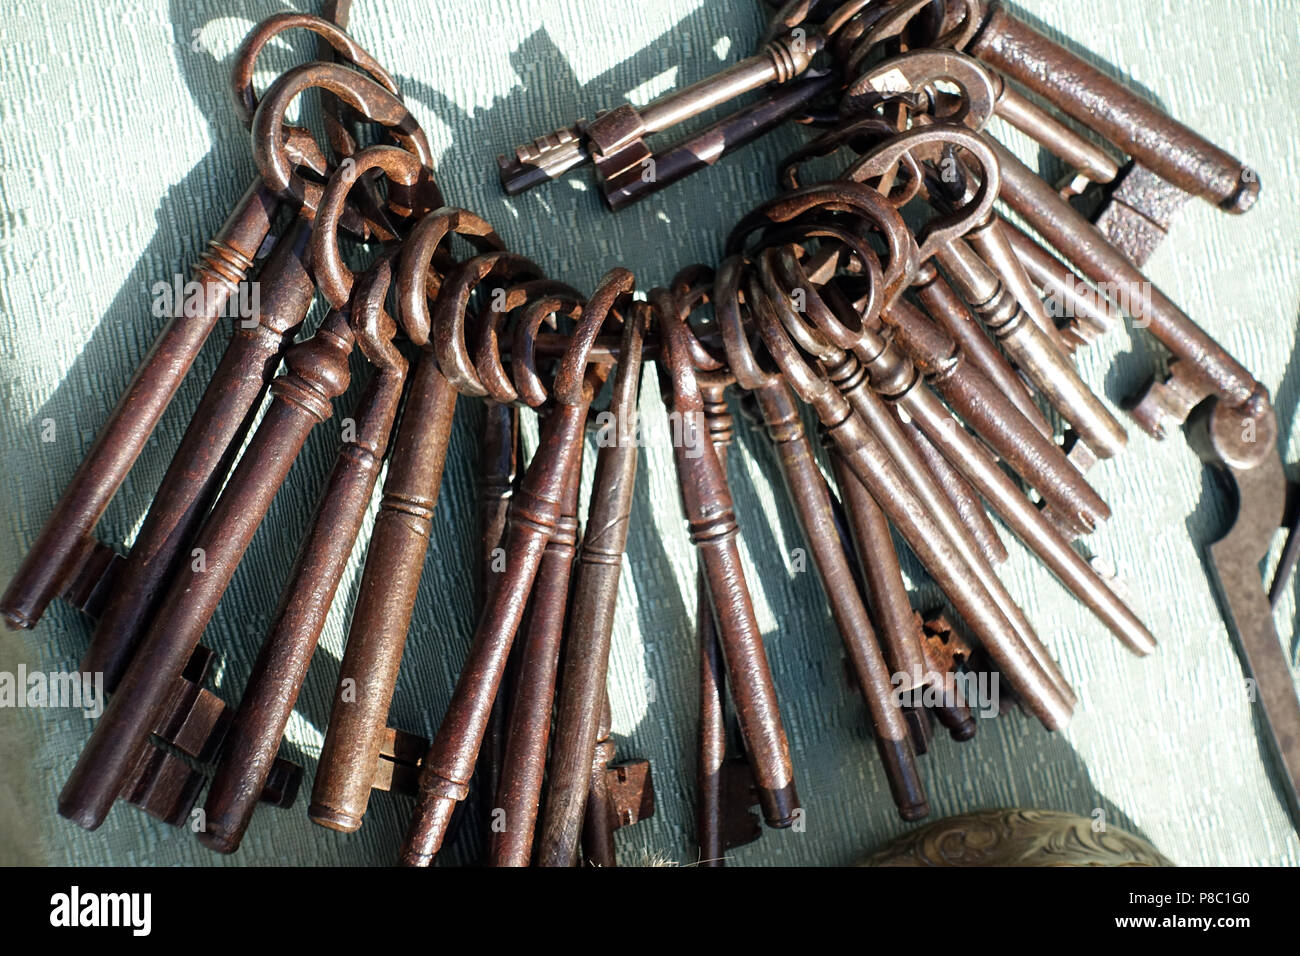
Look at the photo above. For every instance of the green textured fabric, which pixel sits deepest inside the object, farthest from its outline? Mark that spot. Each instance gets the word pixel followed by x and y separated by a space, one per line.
pixel 119 156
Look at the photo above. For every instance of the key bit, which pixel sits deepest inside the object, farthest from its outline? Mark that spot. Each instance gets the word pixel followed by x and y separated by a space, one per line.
pixel 614 140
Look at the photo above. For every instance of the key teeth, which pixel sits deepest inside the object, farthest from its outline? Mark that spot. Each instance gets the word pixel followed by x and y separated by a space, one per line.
pixel 543 159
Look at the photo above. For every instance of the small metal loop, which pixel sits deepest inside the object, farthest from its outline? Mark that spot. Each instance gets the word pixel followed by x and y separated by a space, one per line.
pixel 764 284
pixel 364 95
pixel 571 377
pixel 943 229
pixel 241 74
pixel 745 366
pixel 798 374
pixel 842 196
pixel 333 277
pixel 371 323
pixel 873 129
pixel 523 346
pixel 417 280
pixel 452 306
pixel 912 74
pixel 487 352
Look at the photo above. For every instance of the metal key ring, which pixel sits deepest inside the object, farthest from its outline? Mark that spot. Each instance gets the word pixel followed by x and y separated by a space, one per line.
pixel 417 281
pixel 545 299
pixel 364 95
pixel 933 140
pixel 860 200
pixel 241 74
pixel 572 384
pixel 905 76
pixel 451 310
pixel 372 324
pixel 333 277
pixel 727 307
pixel 692 288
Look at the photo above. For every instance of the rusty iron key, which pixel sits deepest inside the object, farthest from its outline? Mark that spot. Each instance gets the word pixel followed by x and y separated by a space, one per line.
pixel 591 622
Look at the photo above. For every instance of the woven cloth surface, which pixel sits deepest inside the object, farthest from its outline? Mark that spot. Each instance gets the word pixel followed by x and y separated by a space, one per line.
pixel 119 156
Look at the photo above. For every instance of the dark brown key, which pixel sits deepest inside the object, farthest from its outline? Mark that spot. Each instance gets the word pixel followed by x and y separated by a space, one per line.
pixel 1101 263
pixel 377 635
pixel 53 557
pixel 950 311
pixel 707 504
pixel 1131 122
pixel 871 462
pixel 498 462
pixel 278 674
pixel 811 499
pixel 534 512
pixel 520 790
pixel 844 370
pixel 398 543
pixel 317 372
pixel 205 455
pixel 591 620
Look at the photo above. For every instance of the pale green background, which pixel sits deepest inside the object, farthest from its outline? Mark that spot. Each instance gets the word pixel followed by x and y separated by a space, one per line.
pixel 119 156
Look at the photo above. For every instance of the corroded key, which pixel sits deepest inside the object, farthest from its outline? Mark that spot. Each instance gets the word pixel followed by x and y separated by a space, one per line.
pixel 61 544
pixel 316 373
pixel 844 369
pixel 708 509
pixel 586 659
pixel 529 731
pixel 1131 122
pixel 206 452
pixel 614 140
pixel 1019 654
pixel 398 541
pixel 894 376
pixel 281 667
pixel 534 511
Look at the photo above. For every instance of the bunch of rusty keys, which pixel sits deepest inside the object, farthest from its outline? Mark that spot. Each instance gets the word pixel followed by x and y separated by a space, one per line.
pixel 194 720
pixel 65 540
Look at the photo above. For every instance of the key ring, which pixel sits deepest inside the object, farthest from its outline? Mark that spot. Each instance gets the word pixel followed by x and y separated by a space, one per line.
pixel 364 95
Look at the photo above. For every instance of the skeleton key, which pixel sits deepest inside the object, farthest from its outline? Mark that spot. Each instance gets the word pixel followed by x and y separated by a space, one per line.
pixel 53 557
pixel 591 621
pixel 891 372
pixel 845 372
pixel 1132 123
pixel 317 372
pixel 1102 264
pixel 707 505
pixel 519 792
pixel 281 667
pixel 400 537
pixel 535 510
pixel 872 464
pixel 498 463
pixel 204 457
pixel 811 499
pixel 723 818
pixel 614 140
